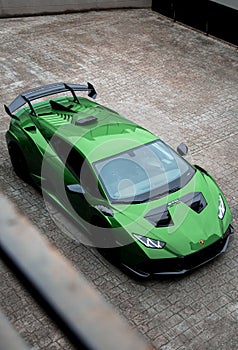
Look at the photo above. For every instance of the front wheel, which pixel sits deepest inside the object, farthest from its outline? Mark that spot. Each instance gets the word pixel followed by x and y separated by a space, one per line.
pixel 105 241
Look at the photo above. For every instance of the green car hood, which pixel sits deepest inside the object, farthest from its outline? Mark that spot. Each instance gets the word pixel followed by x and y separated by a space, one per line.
pixel 190 231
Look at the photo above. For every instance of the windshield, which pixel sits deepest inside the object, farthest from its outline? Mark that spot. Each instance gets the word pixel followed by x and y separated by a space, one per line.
pixel 143 173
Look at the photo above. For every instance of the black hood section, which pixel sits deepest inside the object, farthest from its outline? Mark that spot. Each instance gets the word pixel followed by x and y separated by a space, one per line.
pixel 195 201
pixel 160 217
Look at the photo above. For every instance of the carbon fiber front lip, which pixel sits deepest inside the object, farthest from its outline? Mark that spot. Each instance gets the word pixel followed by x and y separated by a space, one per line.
pixel 184 264
pixel 196 266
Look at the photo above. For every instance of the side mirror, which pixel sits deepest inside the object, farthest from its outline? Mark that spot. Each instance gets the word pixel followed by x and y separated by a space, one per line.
pixel 182 149
pixel 105 210
pixel 75 188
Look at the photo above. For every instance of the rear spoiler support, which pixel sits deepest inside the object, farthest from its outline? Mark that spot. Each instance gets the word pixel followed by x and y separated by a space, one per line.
pixel 72 92
pixel 30 105
pixel 47 90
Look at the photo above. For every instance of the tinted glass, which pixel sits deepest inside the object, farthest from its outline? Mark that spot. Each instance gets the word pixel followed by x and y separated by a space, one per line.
pixel 143 173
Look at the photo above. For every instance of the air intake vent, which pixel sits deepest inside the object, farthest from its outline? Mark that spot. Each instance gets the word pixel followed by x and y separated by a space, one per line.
pixel 195 201
pixel 159 217
pixel 86 121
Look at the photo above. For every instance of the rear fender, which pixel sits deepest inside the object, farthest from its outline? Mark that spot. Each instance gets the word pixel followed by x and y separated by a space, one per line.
pixel 28 142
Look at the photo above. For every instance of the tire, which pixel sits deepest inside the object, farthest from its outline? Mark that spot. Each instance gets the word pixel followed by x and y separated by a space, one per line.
pixel 19 162
pixel 109 253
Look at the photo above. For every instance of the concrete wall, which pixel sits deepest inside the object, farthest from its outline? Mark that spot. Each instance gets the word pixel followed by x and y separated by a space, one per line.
pixel 10 8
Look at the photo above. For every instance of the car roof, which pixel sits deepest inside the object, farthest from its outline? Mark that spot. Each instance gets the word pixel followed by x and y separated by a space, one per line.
pixel 109 139
pixel 95 130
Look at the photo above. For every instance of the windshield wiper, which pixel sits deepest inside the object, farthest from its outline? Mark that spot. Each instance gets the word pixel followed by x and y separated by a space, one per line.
pixel 138 201
pixel 174 189
pixel 171 190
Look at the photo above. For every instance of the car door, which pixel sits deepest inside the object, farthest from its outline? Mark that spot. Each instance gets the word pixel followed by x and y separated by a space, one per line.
pixel 77 193
pixel 87 199
pixel 61 178
pixel 74 186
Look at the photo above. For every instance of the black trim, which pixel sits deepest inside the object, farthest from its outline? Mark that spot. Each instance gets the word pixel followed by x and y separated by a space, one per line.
pixel 160 216
pixel 201 169
pixel 47 90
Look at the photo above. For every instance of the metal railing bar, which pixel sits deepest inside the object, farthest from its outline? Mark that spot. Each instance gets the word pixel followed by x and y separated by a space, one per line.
pixel 69 299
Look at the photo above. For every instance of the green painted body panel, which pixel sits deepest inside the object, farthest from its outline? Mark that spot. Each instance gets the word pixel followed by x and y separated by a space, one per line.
pixel 112 134
pixel 189 227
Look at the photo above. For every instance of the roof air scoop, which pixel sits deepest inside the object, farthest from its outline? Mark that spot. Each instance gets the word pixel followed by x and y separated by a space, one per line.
pixel 86 121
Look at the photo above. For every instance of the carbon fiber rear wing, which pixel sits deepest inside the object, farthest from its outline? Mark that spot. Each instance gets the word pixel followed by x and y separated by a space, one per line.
pixel 47 90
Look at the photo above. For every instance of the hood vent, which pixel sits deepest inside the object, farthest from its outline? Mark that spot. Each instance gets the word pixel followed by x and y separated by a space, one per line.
pixel 160 217
pixel 86 121
pixel 195 201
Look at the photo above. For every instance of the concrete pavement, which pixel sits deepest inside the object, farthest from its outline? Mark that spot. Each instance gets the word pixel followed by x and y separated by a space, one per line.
pixel 182 86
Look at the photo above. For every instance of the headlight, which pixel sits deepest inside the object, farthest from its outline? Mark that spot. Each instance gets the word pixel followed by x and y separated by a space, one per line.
pixel 149 242
pixel 221 208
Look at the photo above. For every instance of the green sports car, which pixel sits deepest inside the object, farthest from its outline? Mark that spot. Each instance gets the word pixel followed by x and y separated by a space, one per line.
pixel 136 199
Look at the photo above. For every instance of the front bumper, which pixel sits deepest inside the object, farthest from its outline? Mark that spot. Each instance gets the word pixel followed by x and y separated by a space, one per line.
pixel 183 264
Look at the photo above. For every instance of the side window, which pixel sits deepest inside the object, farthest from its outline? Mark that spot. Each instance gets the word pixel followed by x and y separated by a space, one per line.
pixel 77 165
pixel 61 148
pixel 74 163
pixel 69 156
pixel 89 180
